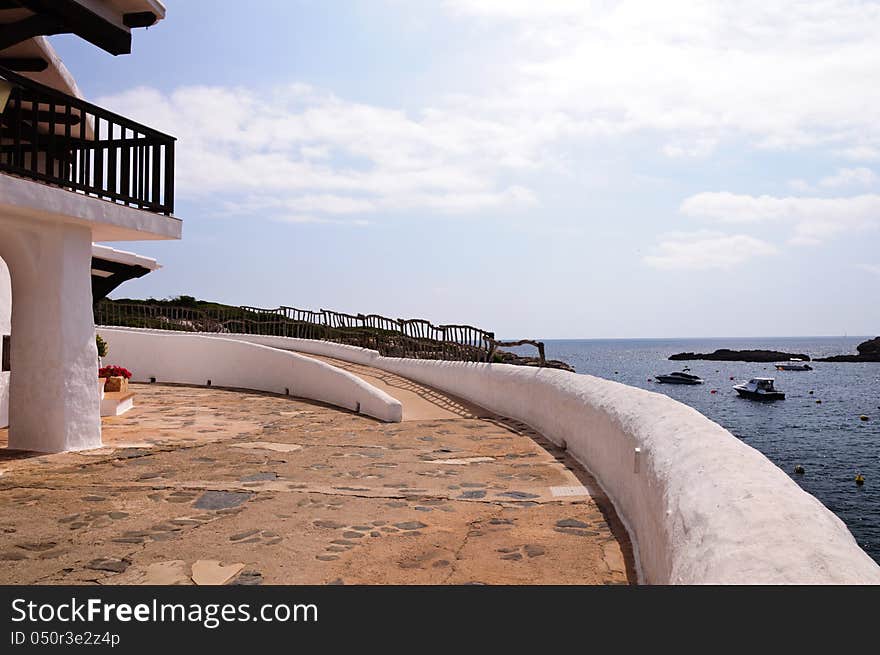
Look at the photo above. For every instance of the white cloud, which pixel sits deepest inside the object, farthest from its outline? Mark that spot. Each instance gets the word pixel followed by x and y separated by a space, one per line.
pixel 305 219
pixel 297 149
pixel 846 177
pixel 814 219
pixel 785 74
pixel 697 148
pixel 860 153
pixel 871 268
pixel 695 74
pixel 323 203
pixel 706 250
pixel 518 9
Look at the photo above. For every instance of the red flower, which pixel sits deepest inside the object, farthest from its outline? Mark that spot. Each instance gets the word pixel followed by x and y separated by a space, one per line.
pixel 114 372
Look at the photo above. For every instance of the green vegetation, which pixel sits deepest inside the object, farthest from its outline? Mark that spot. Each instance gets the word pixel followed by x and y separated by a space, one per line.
pixel 103 349
pixel 189 302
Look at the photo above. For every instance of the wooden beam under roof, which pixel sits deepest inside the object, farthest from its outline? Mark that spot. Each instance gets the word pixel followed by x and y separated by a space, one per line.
pixel 28 28
pixel 139 19
pixel 76 18
pixel 115 273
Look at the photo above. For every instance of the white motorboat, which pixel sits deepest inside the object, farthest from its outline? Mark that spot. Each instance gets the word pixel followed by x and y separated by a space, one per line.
pixel 679 377
pixel 794 364
pixel 759 389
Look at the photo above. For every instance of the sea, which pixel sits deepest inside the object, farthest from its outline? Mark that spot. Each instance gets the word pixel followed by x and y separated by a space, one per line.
pixel 827 438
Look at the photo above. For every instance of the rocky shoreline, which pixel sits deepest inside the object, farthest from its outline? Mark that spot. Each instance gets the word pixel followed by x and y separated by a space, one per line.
pixel 505 357
pixel 727 355
pixel 868 351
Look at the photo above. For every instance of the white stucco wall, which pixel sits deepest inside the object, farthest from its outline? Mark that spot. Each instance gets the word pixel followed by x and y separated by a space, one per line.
pixel 194 359
pixel 704 507
pixel 107 220
pixel 5 318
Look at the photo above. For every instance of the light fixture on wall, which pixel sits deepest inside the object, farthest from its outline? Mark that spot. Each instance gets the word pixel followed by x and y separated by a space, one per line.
pixel 5 90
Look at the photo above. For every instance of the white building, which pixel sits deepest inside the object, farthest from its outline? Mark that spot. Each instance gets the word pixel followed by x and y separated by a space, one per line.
pixel 71 174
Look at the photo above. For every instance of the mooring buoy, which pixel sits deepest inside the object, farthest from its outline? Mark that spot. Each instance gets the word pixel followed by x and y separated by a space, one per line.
pixel 860 479
pixel 864 417
pixel 799 469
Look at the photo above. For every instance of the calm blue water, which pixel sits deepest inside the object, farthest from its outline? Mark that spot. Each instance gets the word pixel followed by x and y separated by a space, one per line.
pixel 827 439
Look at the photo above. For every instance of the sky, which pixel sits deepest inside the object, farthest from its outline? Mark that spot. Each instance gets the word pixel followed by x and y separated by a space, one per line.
pixel 554 169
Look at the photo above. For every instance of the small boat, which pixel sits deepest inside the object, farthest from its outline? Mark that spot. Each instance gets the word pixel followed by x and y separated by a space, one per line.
pixel 679 377
pixel 759 389
pixel 794 364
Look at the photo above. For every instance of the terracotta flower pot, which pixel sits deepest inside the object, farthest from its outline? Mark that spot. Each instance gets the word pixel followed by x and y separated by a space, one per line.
pixel 117 383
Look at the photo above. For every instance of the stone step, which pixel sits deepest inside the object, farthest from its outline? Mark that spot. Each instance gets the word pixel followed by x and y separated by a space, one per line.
pixel 115 403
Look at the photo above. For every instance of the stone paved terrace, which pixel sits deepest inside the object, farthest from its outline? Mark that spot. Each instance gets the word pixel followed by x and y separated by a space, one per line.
pixel 227 486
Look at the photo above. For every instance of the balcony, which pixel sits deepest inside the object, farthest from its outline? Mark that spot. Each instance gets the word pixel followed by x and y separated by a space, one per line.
pixel 63 141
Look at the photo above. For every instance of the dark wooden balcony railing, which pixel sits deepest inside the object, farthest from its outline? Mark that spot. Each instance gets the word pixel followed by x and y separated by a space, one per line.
pixel 49 136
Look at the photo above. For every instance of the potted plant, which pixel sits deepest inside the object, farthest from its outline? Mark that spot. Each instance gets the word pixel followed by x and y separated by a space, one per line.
pixel 103 349
pixel 116 378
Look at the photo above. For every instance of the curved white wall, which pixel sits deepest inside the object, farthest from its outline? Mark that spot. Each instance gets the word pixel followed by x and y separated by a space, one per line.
pixel 703 508
pixel 194 359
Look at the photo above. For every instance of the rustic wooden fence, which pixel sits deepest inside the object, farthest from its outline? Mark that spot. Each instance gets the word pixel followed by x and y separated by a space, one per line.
pixel 392 337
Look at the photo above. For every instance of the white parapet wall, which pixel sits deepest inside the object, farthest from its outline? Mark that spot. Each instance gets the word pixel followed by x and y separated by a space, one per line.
pixel 187 358
pixel 702 507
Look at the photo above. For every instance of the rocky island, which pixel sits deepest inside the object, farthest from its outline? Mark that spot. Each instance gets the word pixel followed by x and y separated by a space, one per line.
pixel 868 351
pixel 506 357
pixel 727 355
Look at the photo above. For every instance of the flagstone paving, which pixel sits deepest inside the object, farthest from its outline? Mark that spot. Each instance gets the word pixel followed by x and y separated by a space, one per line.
pixel 223 486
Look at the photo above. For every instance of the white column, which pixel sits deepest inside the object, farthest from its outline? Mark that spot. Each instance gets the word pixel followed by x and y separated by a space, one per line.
pixel 54 404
